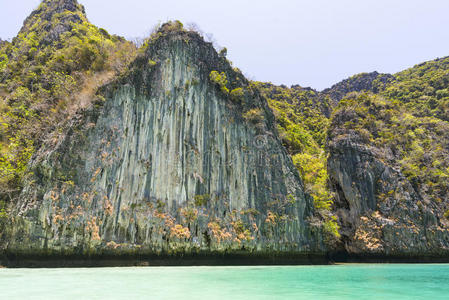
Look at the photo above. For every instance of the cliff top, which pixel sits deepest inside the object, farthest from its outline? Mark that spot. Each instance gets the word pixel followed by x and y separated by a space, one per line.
pixel 54 17
pixel 173 36
pixel 48 8
pixel 372 82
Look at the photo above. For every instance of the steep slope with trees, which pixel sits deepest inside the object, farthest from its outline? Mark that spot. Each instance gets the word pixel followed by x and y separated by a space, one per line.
pixel 167 149
pixel 49 70
pixel 177 156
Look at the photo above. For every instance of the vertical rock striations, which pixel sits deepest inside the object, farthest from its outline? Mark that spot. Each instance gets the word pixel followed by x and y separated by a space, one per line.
pixel 177 155
pixel 384 208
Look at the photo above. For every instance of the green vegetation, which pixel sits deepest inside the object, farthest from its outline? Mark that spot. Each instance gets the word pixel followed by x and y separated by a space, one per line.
pixel 3 61
pixel 254 116
pixel 58 60
pixel 417 143
pixel 49 71
pixel 331 226
pixel 237 95
pixel 173 26
pixel 302 124
pixel 3 216
pixel 446 214
pixel 424 89
pixel 202 200
pixel 232 87
pixel 220 80
pixel 406 116
pixel 371 82
pixel 223 52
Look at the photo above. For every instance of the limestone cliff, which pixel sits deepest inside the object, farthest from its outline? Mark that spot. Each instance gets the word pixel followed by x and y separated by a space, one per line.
pixel 383 207
pixel 179 155
pixel 109 150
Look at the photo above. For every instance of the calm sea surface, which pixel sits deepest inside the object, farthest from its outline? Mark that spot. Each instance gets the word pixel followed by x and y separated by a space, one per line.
pixel 358 281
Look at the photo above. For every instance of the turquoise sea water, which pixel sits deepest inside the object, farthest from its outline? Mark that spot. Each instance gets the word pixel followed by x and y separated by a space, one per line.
pixel 355 281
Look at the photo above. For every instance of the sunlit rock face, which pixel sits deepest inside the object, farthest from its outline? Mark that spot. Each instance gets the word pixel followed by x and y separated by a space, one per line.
pixel 167 161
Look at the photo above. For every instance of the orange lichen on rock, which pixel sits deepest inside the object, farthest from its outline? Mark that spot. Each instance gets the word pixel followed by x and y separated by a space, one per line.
pixel 218 233
pixel 93 228
pixel 180 232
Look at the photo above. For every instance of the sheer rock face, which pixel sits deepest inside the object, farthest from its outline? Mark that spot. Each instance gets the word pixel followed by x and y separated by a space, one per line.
pixel 164 162
pixel 379 211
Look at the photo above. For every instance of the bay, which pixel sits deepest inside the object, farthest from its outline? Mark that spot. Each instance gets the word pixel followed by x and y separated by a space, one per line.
pixel 347 281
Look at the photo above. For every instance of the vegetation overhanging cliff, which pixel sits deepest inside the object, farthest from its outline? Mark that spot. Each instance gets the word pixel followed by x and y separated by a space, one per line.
pixel 167 149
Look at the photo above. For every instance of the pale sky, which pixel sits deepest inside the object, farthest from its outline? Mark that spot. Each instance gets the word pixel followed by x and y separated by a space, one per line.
pixel 311 43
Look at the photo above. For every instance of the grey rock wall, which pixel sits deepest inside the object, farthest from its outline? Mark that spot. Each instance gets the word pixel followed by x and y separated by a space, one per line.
pixel 166 162
pixel 379 211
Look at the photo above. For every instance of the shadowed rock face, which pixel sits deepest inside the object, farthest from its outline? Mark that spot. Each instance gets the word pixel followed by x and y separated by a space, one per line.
pixel 166 162
pixel 379 210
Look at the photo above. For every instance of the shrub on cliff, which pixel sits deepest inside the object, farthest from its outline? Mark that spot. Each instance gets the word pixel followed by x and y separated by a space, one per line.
pixel 51 69
pixel 302 124
pixel 418 145
pixel 237 95
pixel 220 80
pixel 254 116
pixel 423 89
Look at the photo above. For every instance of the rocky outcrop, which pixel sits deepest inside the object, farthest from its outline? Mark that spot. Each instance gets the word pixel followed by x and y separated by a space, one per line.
pixel 380 212
pixel 170 159
pixel 55 17
pixel 370 82
pixel 49 8
pixel 180 156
